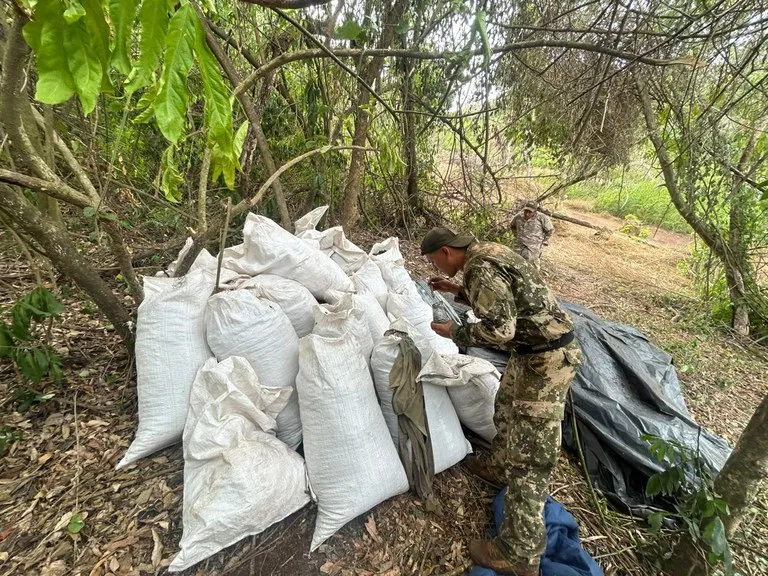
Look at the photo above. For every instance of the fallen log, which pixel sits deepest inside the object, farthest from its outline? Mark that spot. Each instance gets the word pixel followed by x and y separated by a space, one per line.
pixel 572 220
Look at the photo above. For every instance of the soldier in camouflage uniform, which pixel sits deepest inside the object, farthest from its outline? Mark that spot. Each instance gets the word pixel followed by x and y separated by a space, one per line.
pixel 532 230
pixel 517 313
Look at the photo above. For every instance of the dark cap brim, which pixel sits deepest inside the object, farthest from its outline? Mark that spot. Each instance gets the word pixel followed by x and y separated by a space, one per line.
pixel 460 242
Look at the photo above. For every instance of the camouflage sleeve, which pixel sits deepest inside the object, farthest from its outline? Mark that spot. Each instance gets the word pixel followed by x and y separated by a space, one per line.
pixel 494 305
pixel 546 226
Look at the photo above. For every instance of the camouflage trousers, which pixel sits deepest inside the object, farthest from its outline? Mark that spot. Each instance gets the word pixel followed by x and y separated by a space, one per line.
pixel 529 409
pixel 531 254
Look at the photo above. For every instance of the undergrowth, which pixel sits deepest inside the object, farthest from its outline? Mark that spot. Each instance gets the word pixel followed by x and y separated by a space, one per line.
pixel 632 191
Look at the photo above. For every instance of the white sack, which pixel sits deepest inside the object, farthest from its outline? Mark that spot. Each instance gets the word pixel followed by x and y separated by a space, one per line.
pixel 269 249
pixel 332 241
pixel 294 299
pixel 238 478
pixel 346 316
pixel 240 324
pixel 390 261
pixel 369 277
pixel 352 463
pixel 419 314
pixel 448 443
pixel 170 348
pixel 204 261
pixel 472 385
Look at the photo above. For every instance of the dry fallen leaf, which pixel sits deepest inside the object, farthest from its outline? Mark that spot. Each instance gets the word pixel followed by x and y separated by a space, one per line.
pixel 327 568
pixel 114 565
pixel 370 527
pixel 157 551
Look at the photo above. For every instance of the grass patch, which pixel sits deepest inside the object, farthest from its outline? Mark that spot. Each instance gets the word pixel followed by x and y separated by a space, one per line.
pixel 632 192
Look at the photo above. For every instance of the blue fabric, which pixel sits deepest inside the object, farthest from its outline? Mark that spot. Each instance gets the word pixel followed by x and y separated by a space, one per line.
pixel 564 555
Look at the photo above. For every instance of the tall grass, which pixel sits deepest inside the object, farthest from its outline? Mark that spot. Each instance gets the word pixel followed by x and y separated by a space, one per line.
pixel 633 191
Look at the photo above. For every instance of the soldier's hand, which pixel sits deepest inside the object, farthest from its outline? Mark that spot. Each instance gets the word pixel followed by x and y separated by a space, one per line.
pixel 443 329
pixel 443 284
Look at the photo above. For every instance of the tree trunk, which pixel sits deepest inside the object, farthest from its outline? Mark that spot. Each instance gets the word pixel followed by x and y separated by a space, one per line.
pixel 369 73
pixel 349 211
pixel 409 141
pixel 66 258
pixel 737 484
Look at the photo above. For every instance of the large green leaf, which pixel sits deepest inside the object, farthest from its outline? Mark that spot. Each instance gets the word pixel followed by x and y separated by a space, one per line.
pixel 171 102
pixel 122 14
pixel 45 35
pixel 218 112
pixel 84 64
pixel 153 17
pixel 98 29
pixel 170 176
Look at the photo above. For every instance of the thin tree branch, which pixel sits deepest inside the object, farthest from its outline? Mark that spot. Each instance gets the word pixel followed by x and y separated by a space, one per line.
pixel 330 54
pixel 213 229
pixel 309 54
pixel 287 4
pixel 56 189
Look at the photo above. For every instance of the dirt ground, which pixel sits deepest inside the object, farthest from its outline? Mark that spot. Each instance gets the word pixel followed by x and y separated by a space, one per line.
pixel 62 461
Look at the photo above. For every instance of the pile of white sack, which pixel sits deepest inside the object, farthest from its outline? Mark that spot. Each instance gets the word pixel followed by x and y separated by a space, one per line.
pixel 294 349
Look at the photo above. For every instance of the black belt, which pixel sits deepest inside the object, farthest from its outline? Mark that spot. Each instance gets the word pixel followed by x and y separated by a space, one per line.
pixel 564 340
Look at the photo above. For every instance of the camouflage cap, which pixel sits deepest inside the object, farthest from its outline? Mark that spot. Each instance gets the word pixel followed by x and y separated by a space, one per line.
pixel 439 237
pixel 531 205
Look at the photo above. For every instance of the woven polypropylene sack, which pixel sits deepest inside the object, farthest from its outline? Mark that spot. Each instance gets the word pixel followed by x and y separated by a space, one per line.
pixel 368 276
pixel 419 314
pixel 238 478
pixel 294 299
pixel 449 445
pixel 387 256
pixel 352 463
pixel 345 316
pixel 330 241
pixel 269 249
pixel 170 348
pixel 238 323
pixel 472 384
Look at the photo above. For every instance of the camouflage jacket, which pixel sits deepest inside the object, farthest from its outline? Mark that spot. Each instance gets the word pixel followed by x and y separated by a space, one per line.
pixel 509 298
pixel 532 233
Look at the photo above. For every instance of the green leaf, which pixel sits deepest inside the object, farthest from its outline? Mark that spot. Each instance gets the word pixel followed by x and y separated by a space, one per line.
pixel 122 14
pixel 217 112
pixel 74 11
pixel 28 366
pixel 153 17
pixel 653 488
pixel 145 102
pixel 171 177
pixel 108 216
pixel 98 30
pixel 240 135
pixel 482 28
pixel 171 102
pixel 76 523
pixel 722 506
pixel 45 35
pixel 7 342
pixel 714 535
pixel 350 30
pixel 655 520
pixel 21 318
pixel 84 64
pixel 89 211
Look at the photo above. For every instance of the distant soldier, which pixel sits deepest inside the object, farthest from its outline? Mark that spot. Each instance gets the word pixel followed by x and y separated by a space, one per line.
pixel 516 312
pixel 532 230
